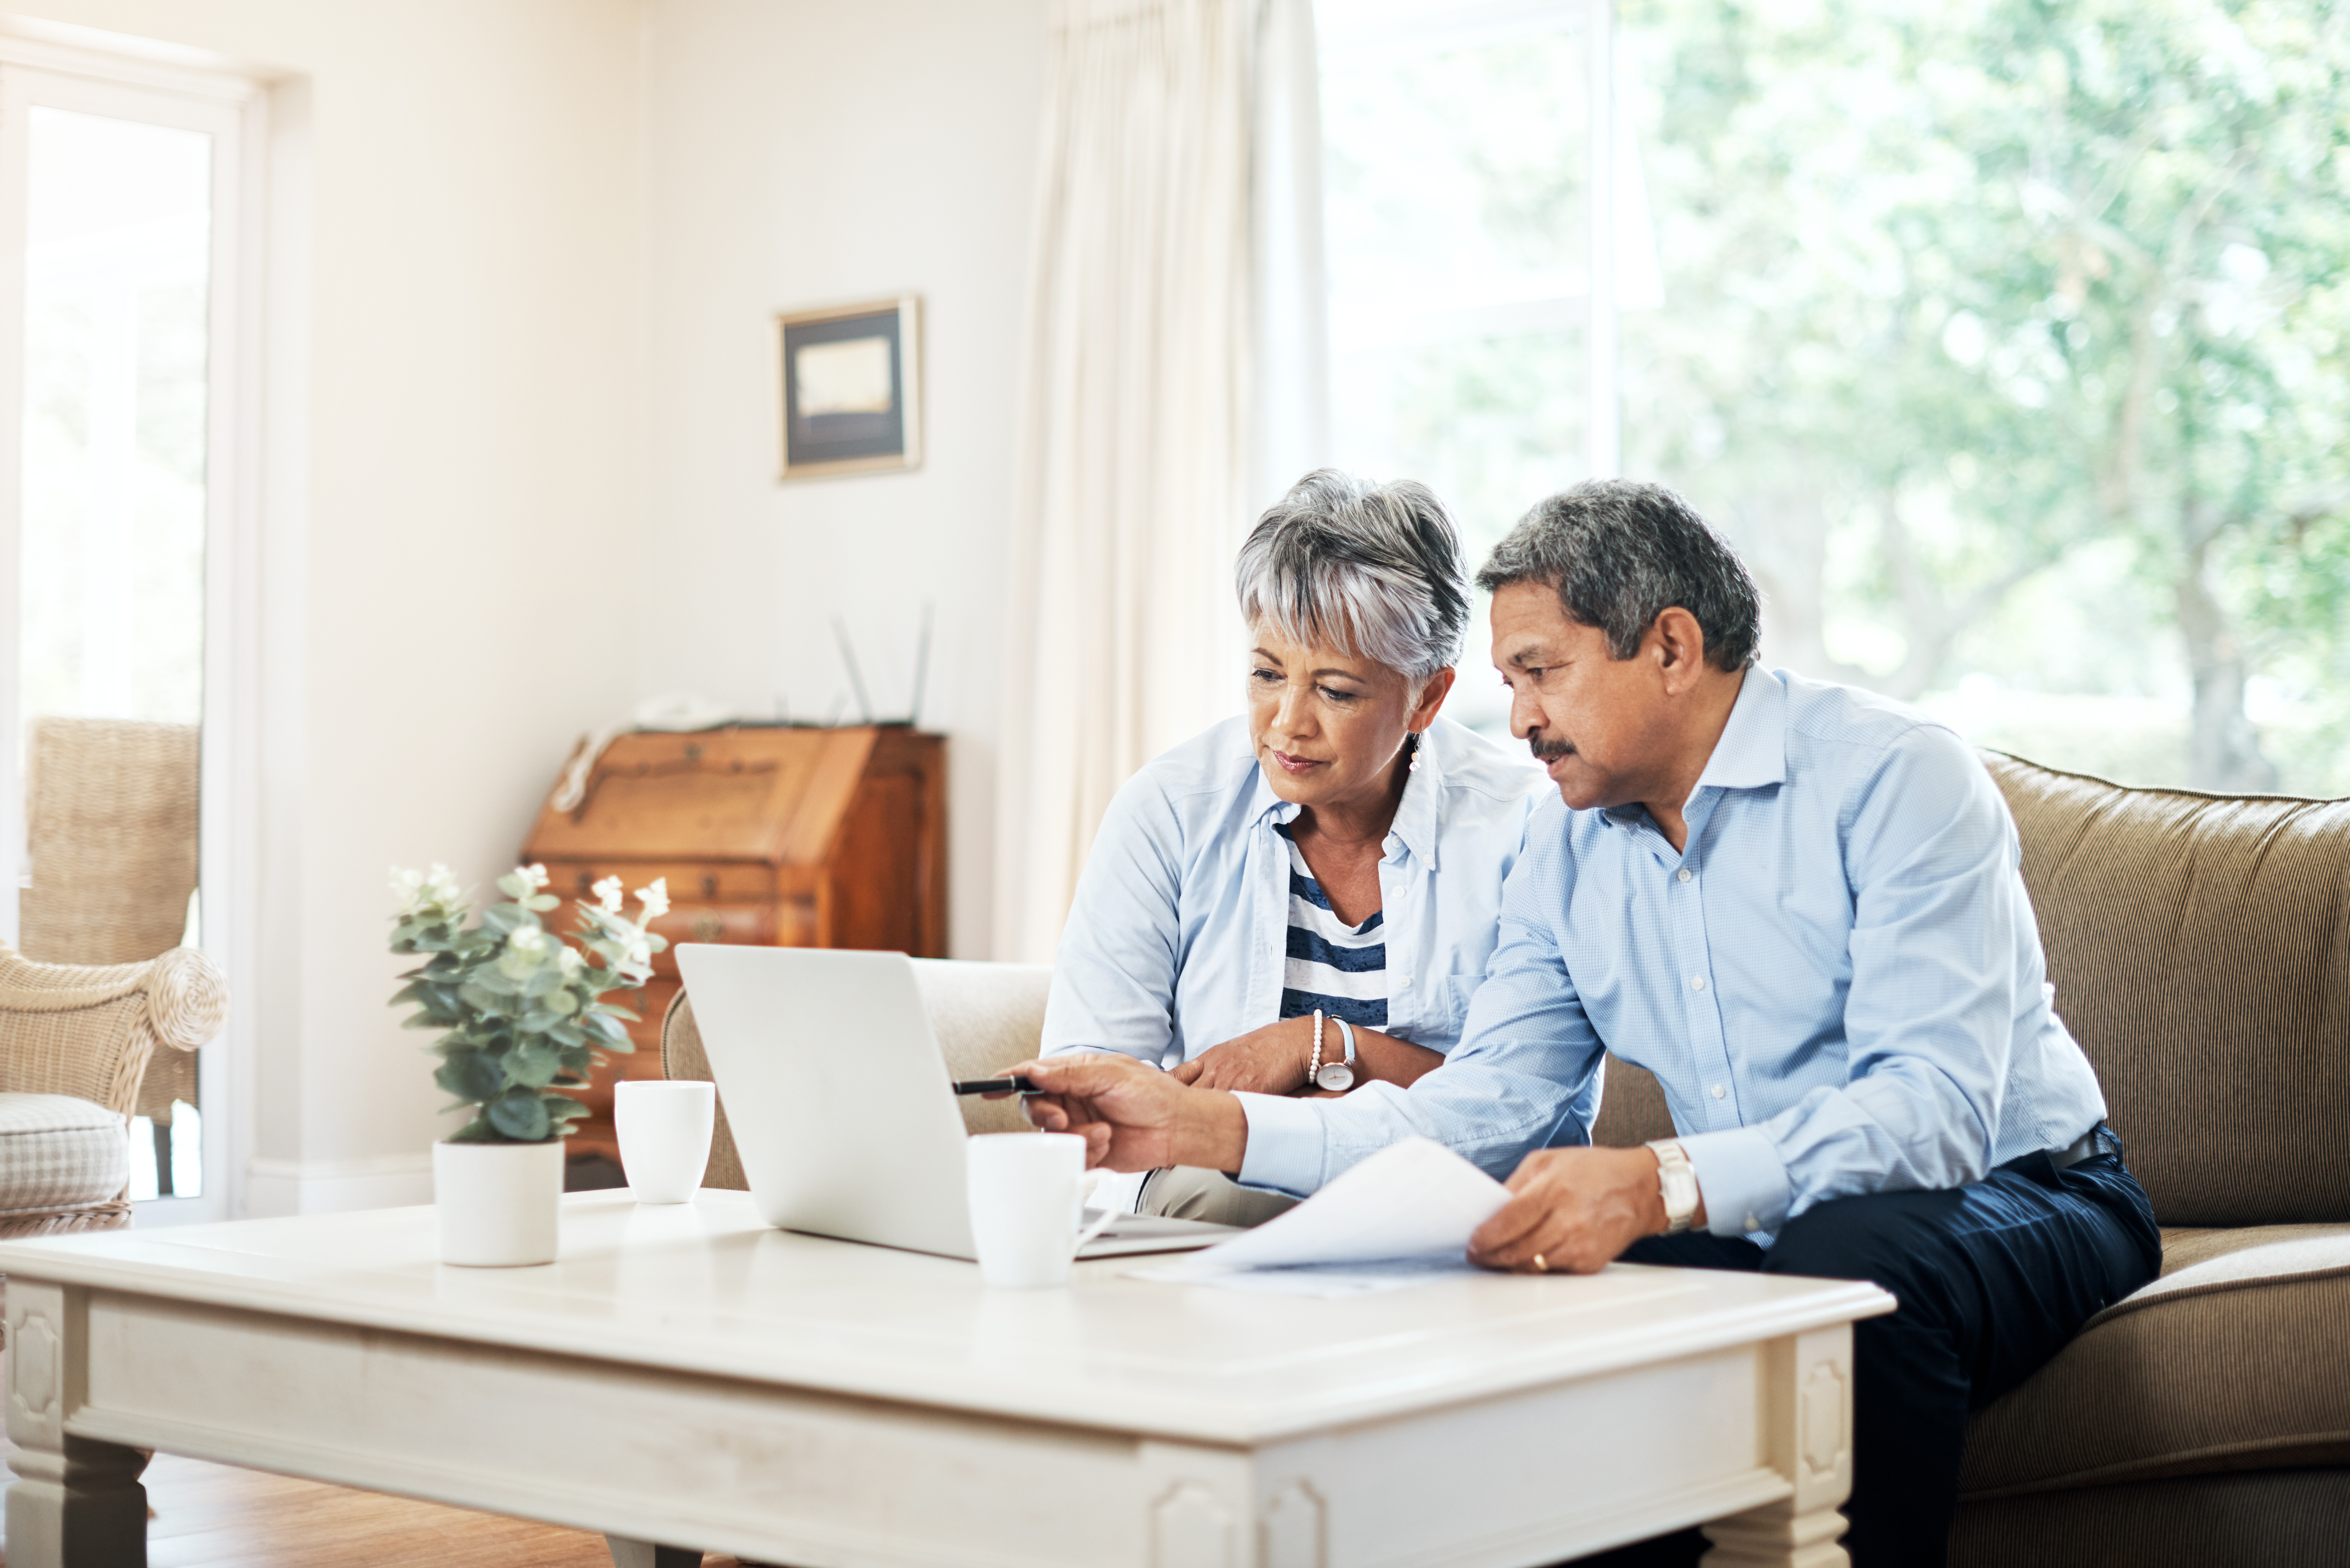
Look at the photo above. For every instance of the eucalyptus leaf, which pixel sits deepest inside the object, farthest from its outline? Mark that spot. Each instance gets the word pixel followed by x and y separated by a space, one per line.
pixel 533 1065
pixel 470 1075
pixel 519 1114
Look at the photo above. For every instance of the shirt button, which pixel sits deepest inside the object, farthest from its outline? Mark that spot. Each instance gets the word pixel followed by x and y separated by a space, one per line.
pixel 1719 1091
pixel 1753 1223
pixel 1697 983
pixel 1683 873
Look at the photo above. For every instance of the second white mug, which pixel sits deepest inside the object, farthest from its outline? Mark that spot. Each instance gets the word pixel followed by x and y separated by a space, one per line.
pixel 665 1126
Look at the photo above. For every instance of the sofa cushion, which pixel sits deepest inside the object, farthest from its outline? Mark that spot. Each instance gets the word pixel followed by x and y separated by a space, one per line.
pixel 985 1016
pixel 2246 1518
pixel 59 1152
pixel 1633 1109
pixel 2232 1360
pixel 2199 946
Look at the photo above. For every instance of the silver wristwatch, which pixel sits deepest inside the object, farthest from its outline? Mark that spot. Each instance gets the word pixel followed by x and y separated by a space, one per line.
pixel 1678 1179
pixel 1338 1076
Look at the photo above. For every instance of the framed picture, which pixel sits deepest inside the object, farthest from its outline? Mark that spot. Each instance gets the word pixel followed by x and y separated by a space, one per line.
pixel 852 388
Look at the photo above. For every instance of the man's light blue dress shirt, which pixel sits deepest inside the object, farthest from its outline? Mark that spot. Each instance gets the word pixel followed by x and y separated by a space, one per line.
pixel 1179 935
pixel 1840 983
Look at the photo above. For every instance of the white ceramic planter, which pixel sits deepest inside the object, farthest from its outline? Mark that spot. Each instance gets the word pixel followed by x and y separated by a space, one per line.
pixel 498 1202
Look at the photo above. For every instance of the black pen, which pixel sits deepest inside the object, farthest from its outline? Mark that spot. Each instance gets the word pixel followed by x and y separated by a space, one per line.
pixel 995 1087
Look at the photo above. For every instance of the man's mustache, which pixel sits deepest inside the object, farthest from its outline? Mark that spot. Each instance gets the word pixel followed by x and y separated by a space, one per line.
pixel 1547 751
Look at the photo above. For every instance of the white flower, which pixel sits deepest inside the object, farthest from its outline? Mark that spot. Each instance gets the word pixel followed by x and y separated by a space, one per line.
pixel 534 875
pixel 566 957
pixel 406 886
pixel 655 898
pixel 529 941
pixel 442 884
pixel 640 954
pixel 607 895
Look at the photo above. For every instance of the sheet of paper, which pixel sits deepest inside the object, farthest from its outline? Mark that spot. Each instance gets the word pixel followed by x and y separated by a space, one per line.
pixel 1326 1279
pixel 1412 1199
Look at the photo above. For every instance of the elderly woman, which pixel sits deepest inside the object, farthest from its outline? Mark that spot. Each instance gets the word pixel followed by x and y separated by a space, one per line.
pixel 1301 899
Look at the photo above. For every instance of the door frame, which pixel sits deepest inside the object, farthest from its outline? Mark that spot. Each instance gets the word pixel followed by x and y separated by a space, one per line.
pixel 234 110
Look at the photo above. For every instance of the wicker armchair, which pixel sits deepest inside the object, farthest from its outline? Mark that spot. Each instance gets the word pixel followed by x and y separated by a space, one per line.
pixel 111 838
pixel 75 1043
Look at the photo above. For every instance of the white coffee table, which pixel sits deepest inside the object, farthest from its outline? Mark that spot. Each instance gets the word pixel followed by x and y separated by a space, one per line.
pixel 686 1374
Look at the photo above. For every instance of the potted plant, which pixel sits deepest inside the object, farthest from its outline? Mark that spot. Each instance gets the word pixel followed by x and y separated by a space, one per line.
pixel 521 1017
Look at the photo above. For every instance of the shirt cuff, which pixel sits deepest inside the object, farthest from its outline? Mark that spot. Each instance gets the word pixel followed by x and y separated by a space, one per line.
pixel 1741 1179
pixel 1284 1144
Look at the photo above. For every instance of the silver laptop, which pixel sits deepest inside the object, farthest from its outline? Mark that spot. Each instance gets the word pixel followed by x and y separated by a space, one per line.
pixel 840 1105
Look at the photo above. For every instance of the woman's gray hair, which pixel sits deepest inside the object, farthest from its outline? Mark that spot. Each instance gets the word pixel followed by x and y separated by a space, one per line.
pixel 1372 569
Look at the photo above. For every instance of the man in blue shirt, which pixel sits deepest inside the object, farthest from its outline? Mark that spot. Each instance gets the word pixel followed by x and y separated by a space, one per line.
pixel 1797 904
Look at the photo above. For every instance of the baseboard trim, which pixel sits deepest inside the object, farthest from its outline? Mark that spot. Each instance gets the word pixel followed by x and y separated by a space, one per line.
pixel 273 1187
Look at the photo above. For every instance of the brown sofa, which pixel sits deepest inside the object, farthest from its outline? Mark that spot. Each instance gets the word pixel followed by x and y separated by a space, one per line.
pixel 2199 946
pixel 2200 950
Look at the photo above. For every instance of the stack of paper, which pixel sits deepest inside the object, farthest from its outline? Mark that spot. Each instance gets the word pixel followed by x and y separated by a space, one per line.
pixel 1401 1217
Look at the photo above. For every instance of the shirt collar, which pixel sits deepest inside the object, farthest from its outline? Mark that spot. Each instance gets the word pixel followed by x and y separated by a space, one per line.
pixel 1753 750
pixel 1416 819
pixel 1423 792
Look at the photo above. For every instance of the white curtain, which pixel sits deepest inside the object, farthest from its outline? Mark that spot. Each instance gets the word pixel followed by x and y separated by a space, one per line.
pixel 1140 465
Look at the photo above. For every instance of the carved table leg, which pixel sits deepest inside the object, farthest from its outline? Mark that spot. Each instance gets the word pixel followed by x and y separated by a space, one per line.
pixel 627 1553
pixel 76 1503
pixel 1807 1428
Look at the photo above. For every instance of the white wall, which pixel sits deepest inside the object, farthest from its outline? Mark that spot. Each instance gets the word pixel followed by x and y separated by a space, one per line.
pixel 523 442
pixel 807 153
pixel 453 536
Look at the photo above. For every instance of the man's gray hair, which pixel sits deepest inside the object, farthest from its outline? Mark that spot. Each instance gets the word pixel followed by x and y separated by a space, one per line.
pixel 1621 552
pixel 1371 568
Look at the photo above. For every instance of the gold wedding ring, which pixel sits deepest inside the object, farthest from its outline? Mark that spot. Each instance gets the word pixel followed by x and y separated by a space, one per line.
pixel 1542 1264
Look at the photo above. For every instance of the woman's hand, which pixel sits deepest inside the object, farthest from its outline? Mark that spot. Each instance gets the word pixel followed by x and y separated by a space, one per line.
pixel 1267 1061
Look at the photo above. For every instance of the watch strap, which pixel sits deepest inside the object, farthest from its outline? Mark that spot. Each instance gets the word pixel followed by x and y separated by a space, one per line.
pixel 1676 1180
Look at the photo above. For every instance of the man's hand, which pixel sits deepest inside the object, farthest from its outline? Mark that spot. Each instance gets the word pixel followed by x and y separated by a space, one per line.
pixel 1134 1118
pixel 1576 1209
pixel 1267 1061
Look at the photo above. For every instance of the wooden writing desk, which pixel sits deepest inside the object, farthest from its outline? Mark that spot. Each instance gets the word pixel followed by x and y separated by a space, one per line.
pixel 764 833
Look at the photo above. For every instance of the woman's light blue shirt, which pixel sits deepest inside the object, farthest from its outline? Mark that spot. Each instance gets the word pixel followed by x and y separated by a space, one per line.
pixel 1178 935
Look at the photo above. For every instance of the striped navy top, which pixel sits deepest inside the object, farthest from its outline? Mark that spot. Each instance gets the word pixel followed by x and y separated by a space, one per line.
pixel 1337 967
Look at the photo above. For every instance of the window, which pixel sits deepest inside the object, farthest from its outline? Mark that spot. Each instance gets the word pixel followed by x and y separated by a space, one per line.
pixel 2006 340
pixel 120 223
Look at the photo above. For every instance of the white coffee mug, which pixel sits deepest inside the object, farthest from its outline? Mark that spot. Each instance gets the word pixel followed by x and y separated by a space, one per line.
pixel 664 1126
pixel 1028 1190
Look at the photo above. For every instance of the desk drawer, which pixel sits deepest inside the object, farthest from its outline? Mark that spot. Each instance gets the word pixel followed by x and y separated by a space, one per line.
pixel 706 881
pixel 751 924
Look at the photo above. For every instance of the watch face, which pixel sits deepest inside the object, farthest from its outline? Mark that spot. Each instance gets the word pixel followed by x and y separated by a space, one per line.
pixel 1337 1076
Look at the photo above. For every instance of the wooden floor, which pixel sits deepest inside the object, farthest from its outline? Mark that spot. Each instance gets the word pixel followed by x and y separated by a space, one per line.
pixel 217 1516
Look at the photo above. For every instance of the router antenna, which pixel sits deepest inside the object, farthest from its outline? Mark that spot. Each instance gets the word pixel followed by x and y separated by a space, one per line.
pixel 856 676
pixel 921 667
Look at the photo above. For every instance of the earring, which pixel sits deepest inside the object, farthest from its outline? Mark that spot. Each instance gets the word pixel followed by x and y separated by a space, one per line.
pixel 1414 766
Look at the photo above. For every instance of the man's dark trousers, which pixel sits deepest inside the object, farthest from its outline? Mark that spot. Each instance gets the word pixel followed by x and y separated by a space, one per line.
pixel 1993 1278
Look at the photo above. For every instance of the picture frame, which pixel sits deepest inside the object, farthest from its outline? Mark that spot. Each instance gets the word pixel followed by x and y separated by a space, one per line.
pixel 852 398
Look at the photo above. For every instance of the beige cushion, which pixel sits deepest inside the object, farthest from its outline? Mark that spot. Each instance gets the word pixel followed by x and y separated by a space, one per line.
pixel 986 1016
pixel 2199 946
pixel 58 1152
pixel 2234 1359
